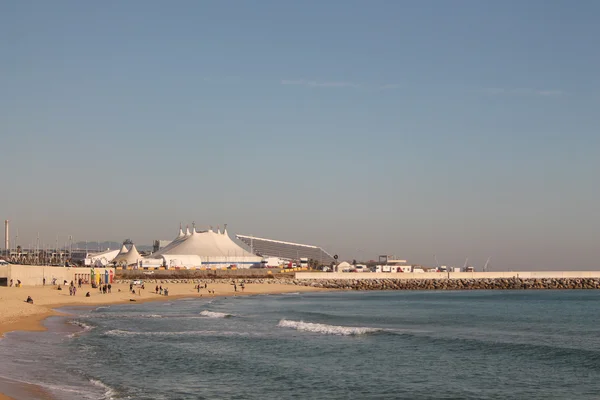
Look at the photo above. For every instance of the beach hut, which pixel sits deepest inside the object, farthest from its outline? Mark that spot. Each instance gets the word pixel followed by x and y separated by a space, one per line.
pixel 111 276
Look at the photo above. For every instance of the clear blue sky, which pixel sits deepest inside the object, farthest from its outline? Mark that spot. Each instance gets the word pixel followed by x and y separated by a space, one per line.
pixel 455 128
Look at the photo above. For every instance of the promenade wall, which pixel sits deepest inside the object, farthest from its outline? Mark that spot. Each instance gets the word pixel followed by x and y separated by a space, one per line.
pixel 33 275
pixel 446 275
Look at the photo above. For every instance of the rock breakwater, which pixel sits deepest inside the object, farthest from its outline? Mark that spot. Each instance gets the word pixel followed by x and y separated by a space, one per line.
pixel 452 284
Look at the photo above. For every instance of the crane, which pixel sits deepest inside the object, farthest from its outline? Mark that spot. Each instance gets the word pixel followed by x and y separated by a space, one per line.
pixel 485 267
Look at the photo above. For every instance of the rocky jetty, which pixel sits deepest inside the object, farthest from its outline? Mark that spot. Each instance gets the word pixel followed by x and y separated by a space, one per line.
pixel 210 280
pixel 452 284
pixel 405 284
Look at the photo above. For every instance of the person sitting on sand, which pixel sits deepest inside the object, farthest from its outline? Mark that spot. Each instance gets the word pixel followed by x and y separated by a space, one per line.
pixel 29 300
pixel 87 294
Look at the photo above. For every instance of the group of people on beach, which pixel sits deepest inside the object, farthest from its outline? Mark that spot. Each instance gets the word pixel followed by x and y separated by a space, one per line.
pixel 242 286
pixel 205 286
pixel 106 288
pixel 161 291
pixel 72 289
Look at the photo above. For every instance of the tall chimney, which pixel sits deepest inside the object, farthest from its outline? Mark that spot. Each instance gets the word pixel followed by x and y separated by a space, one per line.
pixel 6 238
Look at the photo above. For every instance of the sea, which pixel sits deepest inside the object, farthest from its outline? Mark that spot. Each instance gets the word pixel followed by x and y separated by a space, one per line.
pixel 337 345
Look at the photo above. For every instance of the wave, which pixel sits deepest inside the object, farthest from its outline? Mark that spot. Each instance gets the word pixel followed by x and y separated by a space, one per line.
pixel 109 392
pixel 101 308
pixel 118 316
pixel 123 333
pixel 327 329
pixel 212 314
pixel 84 328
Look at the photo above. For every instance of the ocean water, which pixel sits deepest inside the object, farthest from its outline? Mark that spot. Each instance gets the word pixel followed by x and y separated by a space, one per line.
pixel 344 345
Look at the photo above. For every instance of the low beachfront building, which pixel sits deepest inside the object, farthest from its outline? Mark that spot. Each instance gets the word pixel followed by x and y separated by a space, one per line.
pixel 209 249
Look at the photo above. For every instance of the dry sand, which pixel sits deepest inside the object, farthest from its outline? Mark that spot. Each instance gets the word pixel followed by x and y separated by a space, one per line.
pixel 17 314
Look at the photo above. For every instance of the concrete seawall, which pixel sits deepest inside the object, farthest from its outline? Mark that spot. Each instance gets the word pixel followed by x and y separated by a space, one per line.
pixel 34 275
pixel 445 275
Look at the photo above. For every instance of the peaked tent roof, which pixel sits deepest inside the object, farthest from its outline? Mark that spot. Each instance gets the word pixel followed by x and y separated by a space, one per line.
pixel 130 257
pixel 205 244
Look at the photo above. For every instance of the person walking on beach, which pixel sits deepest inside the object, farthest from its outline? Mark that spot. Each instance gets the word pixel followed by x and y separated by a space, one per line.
pixel 109 288
pixel 156 289
pixel 74 290
pixel 11 283
pixel 44 281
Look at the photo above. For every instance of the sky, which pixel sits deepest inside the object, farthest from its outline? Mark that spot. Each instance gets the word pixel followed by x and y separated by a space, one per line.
pixel 423 128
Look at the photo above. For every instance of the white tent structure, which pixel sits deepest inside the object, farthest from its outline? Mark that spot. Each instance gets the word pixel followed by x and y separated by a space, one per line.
pixel 344 265
pixel 206 248
pixel 103 258
pixel 128 257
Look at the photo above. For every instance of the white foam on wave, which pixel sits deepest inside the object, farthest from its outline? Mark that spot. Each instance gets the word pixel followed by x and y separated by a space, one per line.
pixel 109 392
pixel 326 329
pixel 101 308
pixel 122 333
pixel 119 316
pixel 212 314
pixel 85 328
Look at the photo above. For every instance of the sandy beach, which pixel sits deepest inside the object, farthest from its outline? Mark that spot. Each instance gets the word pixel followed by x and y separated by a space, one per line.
pixel 18 315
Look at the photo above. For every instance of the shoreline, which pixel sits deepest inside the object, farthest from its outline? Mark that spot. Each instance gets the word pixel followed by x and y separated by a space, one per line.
pixel 30 317
pixel 18 315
